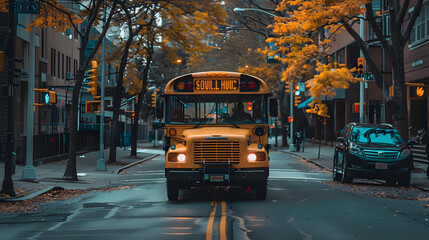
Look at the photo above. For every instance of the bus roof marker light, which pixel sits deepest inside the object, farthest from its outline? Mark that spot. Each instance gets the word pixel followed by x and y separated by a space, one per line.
pixel 252 85
pixel 181 86
pixel 243 86
pixel 189 85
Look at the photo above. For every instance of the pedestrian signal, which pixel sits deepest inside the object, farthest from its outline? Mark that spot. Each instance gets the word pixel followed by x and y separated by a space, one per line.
pixel 92 106
pixel 46 97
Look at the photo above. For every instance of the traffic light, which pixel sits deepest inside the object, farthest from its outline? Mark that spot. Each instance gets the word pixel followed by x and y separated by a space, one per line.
pixel 296 88
pixel 93 79
pixel 92 106
pixel 361 66
pixel 297 100
pixel 249 106
pixel 287 88
pixel 153 100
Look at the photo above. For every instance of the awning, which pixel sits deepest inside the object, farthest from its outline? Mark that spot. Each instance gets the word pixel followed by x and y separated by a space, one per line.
pixel 305 103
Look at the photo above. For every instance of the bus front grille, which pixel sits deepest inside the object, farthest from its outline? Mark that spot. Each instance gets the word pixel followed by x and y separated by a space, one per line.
pixel 216 152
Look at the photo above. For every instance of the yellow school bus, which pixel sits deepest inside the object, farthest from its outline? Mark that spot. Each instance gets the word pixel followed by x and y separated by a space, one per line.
pixel 216 131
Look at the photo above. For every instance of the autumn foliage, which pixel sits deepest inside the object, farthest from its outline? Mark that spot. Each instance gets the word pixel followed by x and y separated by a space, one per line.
pixel 301 44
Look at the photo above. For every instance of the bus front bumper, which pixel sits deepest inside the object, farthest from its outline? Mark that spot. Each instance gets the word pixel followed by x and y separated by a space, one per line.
pixel 217 177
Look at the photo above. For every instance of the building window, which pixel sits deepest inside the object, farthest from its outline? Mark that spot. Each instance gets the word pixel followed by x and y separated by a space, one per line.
pixel 69 65
pixel 420 32
pixel 75 66
pixel 52 62
pixel 62 61
pixel 59 64
pixel 341 56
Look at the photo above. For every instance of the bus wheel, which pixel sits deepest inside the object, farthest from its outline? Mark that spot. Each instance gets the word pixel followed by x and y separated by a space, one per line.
pixel 172 191
pixel 261 190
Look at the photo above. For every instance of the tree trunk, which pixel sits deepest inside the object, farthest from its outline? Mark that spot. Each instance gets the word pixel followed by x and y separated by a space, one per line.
pixel 401 117
pixel 138 105
pixel 71 172
pixel 135 126
pixel 114 135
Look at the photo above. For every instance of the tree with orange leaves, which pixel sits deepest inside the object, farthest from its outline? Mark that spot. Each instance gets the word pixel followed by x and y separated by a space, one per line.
pixel 186 24
pixel 307 19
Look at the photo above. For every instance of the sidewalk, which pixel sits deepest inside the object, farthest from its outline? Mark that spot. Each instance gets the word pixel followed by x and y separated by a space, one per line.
pixel 50 175
pixel 324 160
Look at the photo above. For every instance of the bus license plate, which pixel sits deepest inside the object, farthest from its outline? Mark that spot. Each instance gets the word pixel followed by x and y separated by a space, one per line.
pixel 216 178
pixel 380 165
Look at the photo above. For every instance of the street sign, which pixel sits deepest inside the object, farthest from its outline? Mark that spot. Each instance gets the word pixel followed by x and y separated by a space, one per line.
pixel 31 7
pixel 369 77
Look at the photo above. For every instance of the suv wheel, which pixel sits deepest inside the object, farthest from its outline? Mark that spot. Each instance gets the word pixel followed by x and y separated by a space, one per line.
pixel 405 180
pixel 390 182
pixel 345 177
pixel 335 175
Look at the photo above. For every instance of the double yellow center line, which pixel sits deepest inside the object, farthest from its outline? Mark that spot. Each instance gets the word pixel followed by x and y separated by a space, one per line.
pixel 222 229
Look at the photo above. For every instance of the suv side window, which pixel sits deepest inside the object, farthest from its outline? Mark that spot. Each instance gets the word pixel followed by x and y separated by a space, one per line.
pixel 344 132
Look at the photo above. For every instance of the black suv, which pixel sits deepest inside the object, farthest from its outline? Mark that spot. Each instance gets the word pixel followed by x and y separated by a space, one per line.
pixel 372 151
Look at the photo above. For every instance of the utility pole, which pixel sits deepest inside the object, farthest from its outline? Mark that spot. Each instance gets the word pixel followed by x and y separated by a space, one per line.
pixel 7 187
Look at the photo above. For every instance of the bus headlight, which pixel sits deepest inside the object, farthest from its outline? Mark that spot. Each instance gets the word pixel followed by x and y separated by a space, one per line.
pixel 253 157
pixel 181 158
pixel 175 157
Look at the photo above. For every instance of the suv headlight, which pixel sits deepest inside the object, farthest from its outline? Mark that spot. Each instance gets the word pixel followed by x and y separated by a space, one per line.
pixel 354 149
pixel 405 153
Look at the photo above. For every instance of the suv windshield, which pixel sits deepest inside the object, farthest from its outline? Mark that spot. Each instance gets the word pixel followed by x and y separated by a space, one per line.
pixel 216 109
pixel 375 135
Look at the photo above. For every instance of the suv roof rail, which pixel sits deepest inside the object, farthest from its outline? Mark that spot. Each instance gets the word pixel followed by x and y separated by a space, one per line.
pixel 386 124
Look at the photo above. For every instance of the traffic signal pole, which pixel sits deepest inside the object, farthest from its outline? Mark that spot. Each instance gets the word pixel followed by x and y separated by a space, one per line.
pixel 29 172
pixel 362 85
pixel 101 164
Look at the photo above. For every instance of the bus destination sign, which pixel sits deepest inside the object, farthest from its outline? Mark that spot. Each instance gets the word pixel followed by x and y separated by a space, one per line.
pixel 216 85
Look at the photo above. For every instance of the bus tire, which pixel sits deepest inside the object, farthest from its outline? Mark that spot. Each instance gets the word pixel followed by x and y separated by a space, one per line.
pixel 172 191
pixel 261 190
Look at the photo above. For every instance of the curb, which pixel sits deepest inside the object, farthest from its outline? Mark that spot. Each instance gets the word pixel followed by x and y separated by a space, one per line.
pixel 136 163
pixel 56 188
pixel 422 188
pixel 32 195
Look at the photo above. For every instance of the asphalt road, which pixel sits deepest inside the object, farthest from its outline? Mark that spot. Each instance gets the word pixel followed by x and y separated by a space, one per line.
pixel 302 203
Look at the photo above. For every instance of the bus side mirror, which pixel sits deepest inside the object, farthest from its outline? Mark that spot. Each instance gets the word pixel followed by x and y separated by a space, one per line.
pixel 159 110
pixel 273 107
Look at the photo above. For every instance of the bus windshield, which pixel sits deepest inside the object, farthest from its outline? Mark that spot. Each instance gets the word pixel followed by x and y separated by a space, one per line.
pixel 216 109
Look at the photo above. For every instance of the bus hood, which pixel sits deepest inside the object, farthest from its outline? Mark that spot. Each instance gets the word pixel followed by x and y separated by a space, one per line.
pixel 216 133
